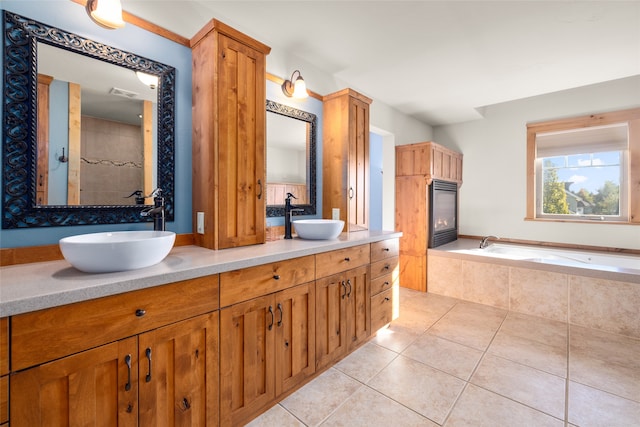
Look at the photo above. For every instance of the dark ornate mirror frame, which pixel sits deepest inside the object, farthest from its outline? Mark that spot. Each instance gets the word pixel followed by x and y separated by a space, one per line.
pixel 294 113
pixel 20 68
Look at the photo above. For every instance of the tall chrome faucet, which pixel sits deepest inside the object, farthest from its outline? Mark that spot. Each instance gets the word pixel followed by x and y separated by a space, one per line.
pixel 157 211
pixel 485 241
pixel 289 209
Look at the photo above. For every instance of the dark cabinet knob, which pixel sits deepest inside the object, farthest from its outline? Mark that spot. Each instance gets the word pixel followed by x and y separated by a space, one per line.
pixel 140 312
pixel 276 277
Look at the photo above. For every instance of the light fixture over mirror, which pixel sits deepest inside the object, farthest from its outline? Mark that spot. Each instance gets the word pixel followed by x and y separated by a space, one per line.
pixel 295 87
pixel 148 79
pixel 106 13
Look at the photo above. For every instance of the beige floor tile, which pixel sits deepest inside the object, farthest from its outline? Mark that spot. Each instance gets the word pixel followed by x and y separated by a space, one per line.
pixel 276 416
pixel 530 353
pixel 422 388
pixel 529 386
pixel 473 325
pixel 479 407
pixel 450 357
pixel 395 337
pixel 367 407
pixel 546 331
pixel 318 399
pixel 605 361
pixel 591 407
pixel 364 363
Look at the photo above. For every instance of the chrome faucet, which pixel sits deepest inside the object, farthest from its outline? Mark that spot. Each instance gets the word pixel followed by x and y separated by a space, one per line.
pixel 485 241
pixel 289 209
pixel 157 211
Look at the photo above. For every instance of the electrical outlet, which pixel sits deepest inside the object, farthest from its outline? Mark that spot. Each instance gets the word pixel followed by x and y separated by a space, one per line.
pixel 200 222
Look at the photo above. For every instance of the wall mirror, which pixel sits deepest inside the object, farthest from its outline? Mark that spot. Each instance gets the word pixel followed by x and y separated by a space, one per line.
pixel 291 158
pixel 32 145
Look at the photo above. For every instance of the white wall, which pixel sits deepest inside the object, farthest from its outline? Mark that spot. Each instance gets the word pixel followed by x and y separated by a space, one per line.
pixel 493 194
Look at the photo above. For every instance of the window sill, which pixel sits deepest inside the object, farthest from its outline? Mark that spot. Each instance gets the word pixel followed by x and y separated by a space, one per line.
pixel 581 221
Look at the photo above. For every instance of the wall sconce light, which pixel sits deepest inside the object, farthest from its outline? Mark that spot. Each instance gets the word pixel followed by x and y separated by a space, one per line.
pixel 148 79
pixel 295 87
pixel 106 13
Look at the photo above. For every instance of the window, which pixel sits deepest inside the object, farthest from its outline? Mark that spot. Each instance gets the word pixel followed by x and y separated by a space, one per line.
pixel 581 169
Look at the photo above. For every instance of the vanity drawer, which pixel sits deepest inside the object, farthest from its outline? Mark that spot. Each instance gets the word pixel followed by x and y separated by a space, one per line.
pixel 385 266
pixel 248 283
pixel 385 249
pixel 381 283
pixel 48 334
pixel 381 309
pixel 333 262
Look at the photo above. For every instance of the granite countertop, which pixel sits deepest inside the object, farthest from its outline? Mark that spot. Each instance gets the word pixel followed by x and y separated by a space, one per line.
pixel 30 287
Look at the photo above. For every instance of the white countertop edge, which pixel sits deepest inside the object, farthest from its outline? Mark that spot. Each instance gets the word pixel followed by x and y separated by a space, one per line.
pixel 30 287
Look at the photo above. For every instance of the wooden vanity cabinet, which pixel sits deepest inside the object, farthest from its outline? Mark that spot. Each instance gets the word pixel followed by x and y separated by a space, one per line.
pixel 154 373
pixel 345 155
pixel 385 281
pixel 267 342
pixel 228 137
pixel 4 370
pixel 343 303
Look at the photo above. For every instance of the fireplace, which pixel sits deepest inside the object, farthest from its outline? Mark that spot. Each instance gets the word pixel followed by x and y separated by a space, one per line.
pixel 443 212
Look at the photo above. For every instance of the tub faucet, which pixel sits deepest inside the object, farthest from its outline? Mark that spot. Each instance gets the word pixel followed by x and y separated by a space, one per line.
pixel 157 211
pixel 485 241
pixel 289 209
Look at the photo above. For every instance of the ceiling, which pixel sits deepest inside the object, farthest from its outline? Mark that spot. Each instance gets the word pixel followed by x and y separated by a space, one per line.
pixel 440 62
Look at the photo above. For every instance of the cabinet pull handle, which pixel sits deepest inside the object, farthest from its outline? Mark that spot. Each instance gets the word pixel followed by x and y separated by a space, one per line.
pixel 386 266
pixel 347 259
pixel 351 192
pixel 345 290
pixel 387 299
pixel 140 312
pixel 148 354
pixel 281 314
pixel 273 317
pixel 385 284
pixel 127 360
pixel 349 283
pixel 386 249
pixel 276 277
pixel 260 185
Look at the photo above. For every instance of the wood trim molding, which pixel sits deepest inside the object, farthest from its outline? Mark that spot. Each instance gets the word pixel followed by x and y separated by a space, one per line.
pixel 146 25
pixel 29 254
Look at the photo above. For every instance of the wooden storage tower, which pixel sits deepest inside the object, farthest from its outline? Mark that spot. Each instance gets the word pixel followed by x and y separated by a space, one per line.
pixel 345 156
pixel 229 149
pixel 417 165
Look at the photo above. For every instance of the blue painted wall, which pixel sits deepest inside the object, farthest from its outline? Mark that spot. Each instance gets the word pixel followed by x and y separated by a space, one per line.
pixel 375 181
pixel 72 17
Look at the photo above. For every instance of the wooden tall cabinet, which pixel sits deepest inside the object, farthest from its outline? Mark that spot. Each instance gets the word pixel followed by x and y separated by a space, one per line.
pixel 229 149
pixel 345 155
pixel 417 165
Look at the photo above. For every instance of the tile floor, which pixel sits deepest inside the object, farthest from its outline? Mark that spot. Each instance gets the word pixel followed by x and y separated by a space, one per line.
pixel 447 362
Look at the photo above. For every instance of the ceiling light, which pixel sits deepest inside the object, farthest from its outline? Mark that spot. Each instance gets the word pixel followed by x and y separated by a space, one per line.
pixel 295 87
pixel 148 79
pixel 106 13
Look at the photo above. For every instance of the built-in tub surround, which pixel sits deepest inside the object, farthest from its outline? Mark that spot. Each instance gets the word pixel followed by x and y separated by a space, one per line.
pixel 552 285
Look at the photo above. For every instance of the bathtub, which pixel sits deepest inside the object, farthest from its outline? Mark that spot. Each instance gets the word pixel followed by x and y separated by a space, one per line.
pixel 598 290
pixel 569 258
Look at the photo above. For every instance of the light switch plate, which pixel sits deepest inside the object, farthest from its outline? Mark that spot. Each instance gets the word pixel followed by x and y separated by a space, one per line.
pixel 200 222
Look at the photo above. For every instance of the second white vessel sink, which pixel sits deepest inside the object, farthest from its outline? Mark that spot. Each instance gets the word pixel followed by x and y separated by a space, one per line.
pixel 116 251
pixel 318 229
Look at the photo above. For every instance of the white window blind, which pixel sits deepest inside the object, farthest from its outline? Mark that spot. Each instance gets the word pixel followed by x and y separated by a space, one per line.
pixel 579 141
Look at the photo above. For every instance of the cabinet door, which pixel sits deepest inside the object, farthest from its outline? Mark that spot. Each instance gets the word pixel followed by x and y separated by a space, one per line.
pixel 174 363
pixel 358 164
pixel 247 362
pixel 330 319
pixel 295 336
pixel 241 144
pixel 97 387
pixel 357 306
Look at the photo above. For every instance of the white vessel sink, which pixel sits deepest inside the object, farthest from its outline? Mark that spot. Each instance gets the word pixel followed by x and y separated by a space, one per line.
pixel 318 229
pixel 116 251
